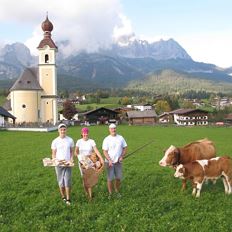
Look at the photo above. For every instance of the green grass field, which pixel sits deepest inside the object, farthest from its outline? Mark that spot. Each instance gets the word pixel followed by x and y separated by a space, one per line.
pixel 151 197
pixel 110 102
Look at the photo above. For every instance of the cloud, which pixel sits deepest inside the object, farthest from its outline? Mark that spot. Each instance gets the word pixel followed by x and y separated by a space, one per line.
pixel 90 24
pixel 86 24
pixel 214 47
pixel 124 29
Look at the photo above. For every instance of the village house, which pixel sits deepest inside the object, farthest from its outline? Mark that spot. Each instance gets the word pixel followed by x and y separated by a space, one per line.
pixel 147 117
pixel 101 115
pixel 140 107
pixel 143 107
pixel 185 117
pixel 5 116
pixel 165 118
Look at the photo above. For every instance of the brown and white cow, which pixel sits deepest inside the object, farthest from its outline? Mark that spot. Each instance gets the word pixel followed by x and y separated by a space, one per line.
pixel 201 170
pixel 200 149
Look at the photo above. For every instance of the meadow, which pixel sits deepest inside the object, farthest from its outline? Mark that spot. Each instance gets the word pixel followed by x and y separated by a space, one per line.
pixel 110 102
pixel 151 196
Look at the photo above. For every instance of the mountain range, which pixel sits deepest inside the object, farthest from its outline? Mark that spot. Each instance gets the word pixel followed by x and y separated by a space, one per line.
pixel 125 65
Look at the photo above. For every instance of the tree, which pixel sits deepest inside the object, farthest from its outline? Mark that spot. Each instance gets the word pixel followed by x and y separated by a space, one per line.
pixel 126 101
pixel 187 105
pixel 162 106
pixel 173 101
pixel 69 109
pixel 142 100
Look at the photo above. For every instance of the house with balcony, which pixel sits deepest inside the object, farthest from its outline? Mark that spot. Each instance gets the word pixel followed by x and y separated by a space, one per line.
pixel 186 117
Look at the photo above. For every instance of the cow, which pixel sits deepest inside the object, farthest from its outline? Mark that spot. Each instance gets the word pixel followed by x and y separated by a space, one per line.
pixel 200 149
pixel 201 170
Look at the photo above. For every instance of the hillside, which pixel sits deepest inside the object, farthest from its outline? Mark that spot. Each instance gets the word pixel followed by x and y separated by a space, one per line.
pixel 107 71
pixel 169 81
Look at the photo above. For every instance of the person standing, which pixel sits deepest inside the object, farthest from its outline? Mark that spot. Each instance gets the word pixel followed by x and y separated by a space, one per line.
pixel 84 148
pixel 114 149
pixel 62 149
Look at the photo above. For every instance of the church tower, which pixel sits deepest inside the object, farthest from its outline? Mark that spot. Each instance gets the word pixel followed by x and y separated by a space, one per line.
pixel 48 75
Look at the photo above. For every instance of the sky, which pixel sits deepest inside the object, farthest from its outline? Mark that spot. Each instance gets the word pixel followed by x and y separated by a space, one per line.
pixel 202 27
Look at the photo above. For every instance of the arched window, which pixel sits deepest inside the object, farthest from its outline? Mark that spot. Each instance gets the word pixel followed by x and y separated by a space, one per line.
pixel 46 58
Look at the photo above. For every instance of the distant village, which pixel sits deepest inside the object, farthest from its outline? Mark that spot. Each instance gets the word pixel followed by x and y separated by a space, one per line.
pixel 132 114
pixel 145 114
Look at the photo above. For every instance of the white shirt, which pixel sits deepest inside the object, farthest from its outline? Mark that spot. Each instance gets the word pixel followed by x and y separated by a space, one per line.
pixel 62 147
pixel 85 147
pixel 114 146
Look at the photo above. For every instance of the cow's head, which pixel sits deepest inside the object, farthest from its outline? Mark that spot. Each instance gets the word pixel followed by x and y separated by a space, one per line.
pixel 180 171
pixel 171 157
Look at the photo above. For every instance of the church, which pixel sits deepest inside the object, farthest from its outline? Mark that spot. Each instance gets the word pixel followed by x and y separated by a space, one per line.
pixel 33 97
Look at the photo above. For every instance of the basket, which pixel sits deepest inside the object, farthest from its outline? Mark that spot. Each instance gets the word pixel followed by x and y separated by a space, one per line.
pixel 90 177
pixel 92 162
pixel 91 174
pixel 98 164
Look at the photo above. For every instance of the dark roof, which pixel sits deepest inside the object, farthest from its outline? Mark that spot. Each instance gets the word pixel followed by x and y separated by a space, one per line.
pixel 7 105
pixel 141 114
pixel 5 113
pixel 47 41
pixel 164 114
pixel 187 111
pixel 28 80
pixel 101 108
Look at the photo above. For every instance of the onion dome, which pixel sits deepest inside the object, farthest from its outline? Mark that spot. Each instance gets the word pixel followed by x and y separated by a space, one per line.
pixel 47 25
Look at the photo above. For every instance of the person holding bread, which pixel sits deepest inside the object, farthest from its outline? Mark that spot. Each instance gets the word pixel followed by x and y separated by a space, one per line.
pixel 85 147
pixel 62 150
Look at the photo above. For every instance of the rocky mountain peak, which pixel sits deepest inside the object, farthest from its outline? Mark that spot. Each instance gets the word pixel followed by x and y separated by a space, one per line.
pixel 160 50
pixel 16 53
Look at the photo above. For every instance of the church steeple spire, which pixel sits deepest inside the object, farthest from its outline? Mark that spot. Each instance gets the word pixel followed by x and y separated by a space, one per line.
pixel 47 74
pixel 47 27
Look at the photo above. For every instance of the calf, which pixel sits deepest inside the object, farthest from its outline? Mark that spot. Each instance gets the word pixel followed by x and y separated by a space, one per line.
pixel 200 149
pixel 200 170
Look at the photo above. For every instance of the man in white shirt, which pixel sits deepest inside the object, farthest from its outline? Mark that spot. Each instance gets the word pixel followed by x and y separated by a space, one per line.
pixel 114 149
pixel 62 149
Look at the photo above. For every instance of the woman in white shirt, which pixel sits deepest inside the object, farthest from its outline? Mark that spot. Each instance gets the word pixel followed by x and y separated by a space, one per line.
pixel 84 148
